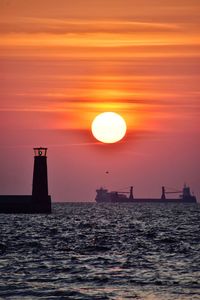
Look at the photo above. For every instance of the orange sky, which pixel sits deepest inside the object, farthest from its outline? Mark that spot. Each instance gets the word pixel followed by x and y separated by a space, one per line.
pixel 63 62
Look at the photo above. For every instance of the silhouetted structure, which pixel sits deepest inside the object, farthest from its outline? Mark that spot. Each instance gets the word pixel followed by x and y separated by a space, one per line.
pixel 40 182
pixel 131 194
pixel 104 196
pixel 40 201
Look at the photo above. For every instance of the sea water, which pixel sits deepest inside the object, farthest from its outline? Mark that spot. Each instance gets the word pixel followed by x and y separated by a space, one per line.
pixel 93 251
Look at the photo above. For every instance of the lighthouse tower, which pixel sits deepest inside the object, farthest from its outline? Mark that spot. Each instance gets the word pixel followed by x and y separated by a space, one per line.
pixel 40 197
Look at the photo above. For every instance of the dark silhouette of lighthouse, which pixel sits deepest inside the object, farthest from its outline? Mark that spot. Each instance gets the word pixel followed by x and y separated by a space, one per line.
pixel 37 203
pixel 40 196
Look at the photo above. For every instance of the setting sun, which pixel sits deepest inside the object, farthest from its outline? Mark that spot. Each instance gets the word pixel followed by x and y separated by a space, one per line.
pixel 108 127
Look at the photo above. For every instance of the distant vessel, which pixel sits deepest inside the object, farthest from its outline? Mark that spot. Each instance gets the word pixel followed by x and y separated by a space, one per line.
pixel 104 196
pixel 39 202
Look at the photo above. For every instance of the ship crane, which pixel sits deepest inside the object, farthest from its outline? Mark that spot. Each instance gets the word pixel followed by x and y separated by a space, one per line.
pixel 177 192
pixel 124 192
pixel 130 192
pixel 164 192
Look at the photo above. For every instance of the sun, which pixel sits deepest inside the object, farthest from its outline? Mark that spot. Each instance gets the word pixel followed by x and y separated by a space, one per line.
pixel 108 127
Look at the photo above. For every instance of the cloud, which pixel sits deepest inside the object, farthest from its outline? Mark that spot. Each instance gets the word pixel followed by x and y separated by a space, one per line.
pixel 77 26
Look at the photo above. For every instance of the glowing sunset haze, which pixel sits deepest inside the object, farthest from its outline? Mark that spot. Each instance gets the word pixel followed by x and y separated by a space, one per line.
pixel 64 62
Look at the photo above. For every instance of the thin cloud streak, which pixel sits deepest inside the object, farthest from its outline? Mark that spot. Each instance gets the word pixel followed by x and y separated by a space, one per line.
pixel 58 26
pixel 96 40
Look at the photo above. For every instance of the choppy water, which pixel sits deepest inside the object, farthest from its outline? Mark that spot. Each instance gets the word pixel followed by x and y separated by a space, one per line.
pixel 93 251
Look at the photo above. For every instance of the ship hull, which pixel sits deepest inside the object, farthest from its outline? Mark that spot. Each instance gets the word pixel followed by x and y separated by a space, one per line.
pixel 147 200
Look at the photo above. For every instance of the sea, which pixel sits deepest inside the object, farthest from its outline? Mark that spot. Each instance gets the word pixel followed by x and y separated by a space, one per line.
pixel 89 251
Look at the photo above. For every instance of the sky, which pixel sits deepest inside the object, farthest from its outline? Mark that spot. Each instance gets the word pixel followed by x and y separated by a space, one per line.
pixel 64 62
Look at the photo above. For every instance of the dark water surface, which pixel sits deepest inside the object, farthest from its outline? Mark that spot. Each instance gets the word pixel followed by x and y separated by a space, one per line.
pixel 93 251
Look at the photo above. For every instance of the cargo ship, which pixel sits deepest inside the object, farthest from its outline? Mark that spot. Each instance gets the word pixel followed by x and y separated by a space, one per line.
pixel 104 196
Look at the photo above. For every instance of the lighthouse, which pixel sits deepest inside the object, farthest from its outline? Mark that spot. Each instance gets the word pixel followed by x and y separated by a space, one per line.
pixel 37 203
pixel 40 197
